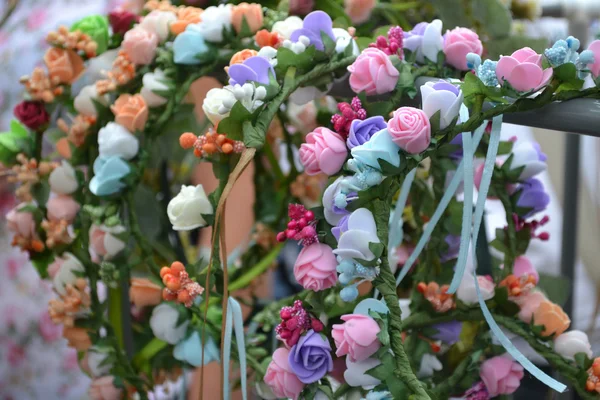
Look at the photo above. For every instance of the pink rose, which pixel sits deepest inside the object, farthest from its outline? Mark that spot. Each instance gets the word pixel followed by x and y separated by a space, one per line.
pixel 529 303
pixel 103 241
pixel 62 207
pixel 595 67
pixel 523 266
pixel 324 151
pixel 315 267
pixel 359 11
pixel 55 267
pixel 280 377
pixel 104 389
pixel 501 375
pixel 356 337
pixel 48 329
pixel 373 73
pixel 140 45
pixel 21 223
pixel 523 70
pixel 410 129
pixel 458 43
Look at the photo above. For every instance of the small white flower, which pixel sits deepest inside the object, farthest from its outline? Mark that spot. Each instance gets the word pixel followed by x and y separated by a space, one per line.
pixel 83 101
pixel 286 27
pixel 158 22
pixel 362 230
pixel 270 53
pixel 343 39
pixel 214 20
pixel 96 362
pixel 116 140
pixel 570 343
pixel 164 324
pixel 186 209
pixel 63 180
pixel 530 156
pixel 429 364
pixel 218 103
pixel 299 46
pixel 66 272
pixel 249 95
pixel 154 81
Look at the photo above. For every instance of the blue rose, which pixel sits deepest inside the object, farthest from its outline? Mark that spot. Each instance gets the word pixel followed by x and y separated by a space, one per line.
pixel 190 350
pixel 108 174
pixel 379 147
pixel 189 46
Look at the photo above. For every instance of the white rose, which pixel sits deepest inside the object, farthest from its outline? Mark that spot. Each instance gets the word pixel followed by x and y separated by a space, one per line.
pixel 570 343
pixel 218 103
pixel 185 210
pixel 432 43
pixel 286 27
pixel 83 101
pixel 530 156
pixel 467 293
pixel 158 22
pixel 104 241
pixel 66 272
pixel 441 96
pixel 154 81
pixel 356 373
pixel 95 362
pixel 63 180
pixel 303 95
pixel 214 19
pixel 116 140
pixel 343 39
pixel 429 364
pixel 164 324
pixel 354 243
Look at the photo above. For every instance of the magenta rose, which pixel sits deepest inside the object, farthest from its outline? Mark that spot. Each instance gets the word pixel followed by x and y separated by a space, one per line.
pixel 315 267
pixel 121 20
pixel 373 73
pixel 410 129
pixel 280 377
pixel 458 43
pixel 32 114
pixel 356 337
pixel 594 47
pixel 62 207
pixel 501 375
pixel 324 151
pixel 140 45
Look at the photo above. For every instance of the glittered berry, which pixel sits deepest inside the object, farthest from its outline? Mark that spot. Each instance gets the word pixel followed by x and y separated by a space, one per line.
pixel 290 233
pixel 285 314
pixel 281 237
pixel 309 215
pixel 292 224
pixel 316 324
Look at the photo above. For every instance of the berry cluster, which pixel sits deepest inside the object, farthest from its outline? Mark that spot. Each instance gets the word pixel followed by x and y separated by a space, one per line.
pixel 76 41
pixel 520 224
pixel 593 381
pixel 179 286
pixel 294 322
pixel 210 143
pixel 437 295
pixel 392 45
pixel 349 112
pixel 301 226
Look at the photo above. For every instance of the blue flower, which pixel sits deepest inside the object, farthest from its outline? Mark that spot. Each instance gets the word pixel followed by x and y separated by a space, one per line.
pixel 108 174
pixel 189 46
pixel 190 350
pixel 379 147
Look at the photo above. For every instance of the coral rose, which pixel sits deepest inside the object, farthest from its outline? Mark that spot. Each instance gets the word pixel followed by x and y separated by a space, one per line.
pixel 64 65
pixel 242 55
pixel 356 337
pixel 315 267
pixel 552 317
pixel 373 73
pixel 264 38
pixel 21 223
pixel 251 12
pixel 501 375
pixel 324 151
pixel 410 129
pixel 280 377
pixel 458 43
pixel 185 17
pixel 104 389
pixel 144 293
pixel 140 45
pixel 131 111
pixel 78 338
pixel 359 11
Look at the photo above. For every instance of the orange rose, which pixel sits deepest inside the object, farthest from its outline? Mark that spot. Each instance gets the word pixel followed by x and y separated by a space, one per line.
pixel 251 12
pixel 144 293
pixel 63 147
pixel 65 65
pixel 552 317
pixel 265 38
pixel 242 56
pixel 78 338
pixel 186 16
pixel 130 111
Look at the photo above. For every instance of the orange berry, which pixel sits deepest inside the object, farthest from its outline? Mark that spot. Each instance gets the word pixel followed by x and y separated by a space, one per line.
pixel 37 246
pixel 596 367
pixel 422 287
pixel 166 278
pixel 173 283
pixel 186 140
pixel 198 153
pixel 168 295
pixel 177 267
pixel 590 386
pixel 164 271
pixel 183 296
pixel 227 148
pixel 209 148
pixel 220 139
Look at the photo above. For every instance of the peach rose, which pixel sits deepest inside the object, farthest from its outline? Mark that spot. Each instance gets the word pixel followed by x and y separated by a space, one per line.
pixel 104 389
pixel 21 223
pixel 185 17
pixel 242 56
pixel 253 14
pixel 553 318
pixel 65 65
pixel 359 11
pixel 140 45
pixel 131 111
pixel 144 293
pixel 78 338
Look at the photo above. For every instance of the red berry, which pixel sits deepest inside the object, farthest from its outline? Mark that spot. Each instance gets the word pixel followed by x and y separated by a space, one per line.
pixel 316 325
pixel 309 215
pixel 292 225
pixel 290 233
pixel 309 232
pixel 281 237
pixel 285 334
pixel 302 223
pixel 285 314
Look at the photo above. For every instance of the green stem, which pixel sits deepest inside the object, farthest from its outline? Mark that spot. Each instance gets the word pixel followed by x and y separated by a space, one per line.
pixel 511 234
pixel 398 6
pixel 273 162
pixel 114 313
pixel 257 270
pixel 37 150
pixel 447 387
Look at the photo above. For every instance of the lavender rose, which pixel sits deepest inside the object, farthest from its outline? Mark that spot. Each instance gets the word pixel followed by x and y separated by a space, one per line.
pixel 310 358
pixel 362 130
pixel 532 198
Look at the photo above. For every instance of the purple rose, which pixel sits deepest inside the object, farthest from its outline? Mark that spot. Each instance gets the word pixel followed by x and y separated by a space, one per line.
pixel 453 242
pixel 315 23
pixel 362 130
pixel 255 69
pixel 532 197
pixel 310 358
pixel 448 332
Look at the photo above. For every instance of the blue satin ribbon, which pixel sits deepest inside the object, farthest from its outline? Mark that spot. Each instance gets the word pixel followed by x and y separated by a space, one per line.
pixel 396 221
pixel 234 321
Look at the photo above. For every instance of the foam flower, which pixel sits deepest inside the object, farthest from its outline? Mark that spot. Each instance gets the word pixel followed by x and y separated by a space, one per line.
pixel 354 242
pixel 426 40
pixel 570 343
pixel 164 324
pixel 84 101
pixel 315 267
pixel 523 70
pixel 373 73
pixel 356 337
pixel 501 375
pixel 131 112
pixel 62 179
pixel 443 97
pixel 458 43
pixel 158 22
pixel 189 47
pixel 280 377
pixel 215 19
pixel 254 69
pixel 154 81
pixel 108 173
pixel 186 209
pixel 315 24
pixel 115 140
pixel 529 156
pixel 552 317
pixel 379 147
pixel 310 358
pixel 356 373
pixel 190 350
pixel 323 152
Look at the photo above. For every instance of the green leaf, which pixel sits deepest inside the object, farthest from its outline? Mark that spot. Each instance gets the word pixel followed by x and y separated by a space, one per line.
pixel 232 126
pixel 385 369
pixel 251 136
pixel 287 58
pixel 556 288
pixel 328 43
pixel 363 42
pixel 503 304
pixel 583 361
pixel 376 248
pixel 41 192
pixel 18 129
pixel 41 261
pixel 334 9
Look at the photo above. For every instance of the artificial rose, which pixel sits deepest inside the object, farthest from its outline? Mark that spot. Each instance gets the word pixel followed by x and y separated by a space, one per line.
pixel 185 17
pixel 359 11
pixel 32 114
pixel 96 27
pixel 158 23
pixel 254 69
pixel 95 361
pixel 186 209
pixel 310 358
pixel 68 265
pixel 501 375
pixel 140 45
pixel 286 27
pixel 143 292
pixel 280 378
pixel 131 112
pixel 152 81
pixel 570 343
pixel 429 365
pixel 595 67
pixel 332 213
pixel 356 373
pixel 64 65
pixel 443 97
pixel 104 389
pixel 62 179
pixel 362 130
pixel 21 222
pixel 49 331
pixel 214 21
pixel 373 73
pixel 77 338
pixel 528 303
pixel 343 39
pixel 552 317
pixel 242 55
pixel 218 103
pixel 104 242
pixel 84 101
pixel 523 70
pixel 410 129
pixel 458 43
pixel 252 13
pixel 467 293
pixel 164 324
pixel 108 175
pixel 523 266
pixel 189 48
pixel 379 147
pixel 354 242
pixel 121 20
pixel 324 152
pixel 115 140
pixel 315 267
pixel 426 40
pixel 529 156
pixel 531 198
pixel 62 207
pixel 356 337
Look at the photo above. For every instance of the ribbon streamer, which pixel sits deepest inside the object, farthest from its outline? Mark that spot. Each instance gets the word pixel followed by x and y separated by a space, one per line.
pixel 234 321
pixel 396 221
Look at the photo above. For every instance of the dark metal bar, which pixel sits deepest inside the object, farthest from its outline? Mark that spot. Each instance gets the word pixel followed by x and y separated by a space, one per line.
pixel 126 315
